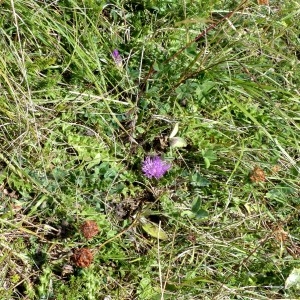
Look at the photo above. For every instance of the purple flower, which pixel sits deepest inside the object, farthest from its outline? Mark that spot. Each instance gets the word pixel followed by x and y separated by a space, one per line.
pixel 155 167
pixel 117 58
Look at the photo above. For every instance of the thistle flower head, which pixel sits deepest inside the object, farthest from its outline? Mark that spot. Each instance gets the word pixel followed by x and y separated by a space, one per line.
pixel 117 58
pixel 155 167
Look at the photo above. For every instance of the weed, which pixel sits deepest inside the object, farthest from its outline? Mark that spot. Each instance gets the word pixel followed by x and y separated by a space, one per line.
pixel 90 89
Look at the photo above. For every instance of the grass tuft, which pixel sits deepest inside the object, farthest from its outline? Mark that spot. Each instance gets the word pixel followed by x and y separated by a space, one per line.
pixel 210 87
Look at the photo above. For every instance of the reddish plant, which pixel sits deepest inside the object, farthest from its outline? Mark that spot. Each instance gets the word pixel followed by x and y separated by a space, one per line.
pixel 257 175
pixel 82 257
pixel 89 229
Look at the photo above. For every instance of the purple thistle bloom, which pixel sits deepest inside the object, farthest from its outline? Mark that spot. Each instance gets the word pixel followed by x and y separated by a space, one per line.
pixel 117 58
pixel 155 167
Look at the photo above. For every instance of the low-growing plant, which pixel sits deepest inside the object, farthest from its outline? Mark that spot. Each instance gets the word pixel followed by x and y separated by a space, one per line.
pixel 149 150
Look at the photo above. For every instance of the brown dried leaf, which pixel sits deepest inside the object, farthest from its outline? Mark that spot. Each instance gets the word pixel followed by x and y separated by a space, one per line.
pixel 280 234
pixel 263 2
pixel 275 169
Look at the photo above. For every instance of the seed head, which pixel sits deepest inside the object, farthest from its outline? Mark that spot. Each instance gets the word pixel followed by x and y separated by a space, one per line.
pixel 82 257
pixel 257 175
pixel 89 229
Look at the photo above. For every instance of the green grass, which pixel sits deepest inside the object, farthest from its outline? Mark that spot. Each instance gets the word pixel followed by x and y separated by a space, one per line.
pixel 75 129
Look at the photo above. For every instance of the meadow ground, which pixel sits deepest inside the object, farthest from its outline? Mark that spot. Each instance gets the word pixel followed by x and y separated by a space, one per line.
pixel 208 92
